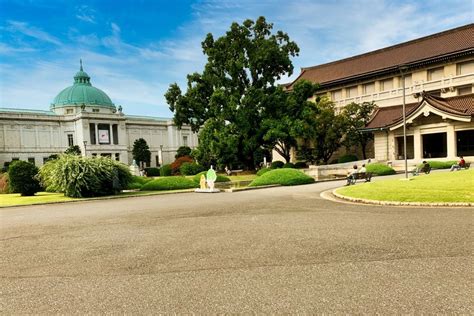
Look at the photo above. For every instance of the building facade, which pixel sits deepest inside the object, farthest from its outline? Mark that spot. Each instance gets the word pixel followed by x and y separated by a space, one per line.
pixel 84 115
pixel 435 77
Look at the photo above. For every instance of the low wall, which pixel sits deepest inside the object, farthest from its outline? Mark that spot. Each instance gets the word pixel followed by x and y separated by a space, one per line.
pixel 334 171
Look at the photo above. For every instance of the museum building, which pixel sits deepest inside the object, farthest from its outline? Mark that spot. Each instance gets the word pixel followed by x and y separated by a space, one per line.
pixel 435 76
pixel 84 115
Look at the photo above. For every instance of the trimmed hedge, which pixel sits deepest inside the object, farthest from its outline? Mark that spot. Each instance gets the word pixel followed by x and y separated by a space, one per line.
pixel 22 178
pixel 277 164
pixel 152 172
pixel 137 182
pixel 289 165
pixel 165 171
pixel 440 164
pixel 347 158
pixel 379 169
pixel 191 168
pixel 283 177
pixel 169 183
pixel 220 178
pixel 263 171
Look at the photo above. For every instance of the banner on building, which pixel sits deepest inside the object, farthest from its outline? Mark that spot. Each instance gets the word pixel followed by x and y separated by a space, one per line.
pixel 104 137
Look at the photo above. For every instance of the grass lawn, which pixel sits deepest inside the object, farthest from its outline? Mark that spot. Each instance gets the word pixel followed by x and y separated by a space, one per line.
pixel 455 186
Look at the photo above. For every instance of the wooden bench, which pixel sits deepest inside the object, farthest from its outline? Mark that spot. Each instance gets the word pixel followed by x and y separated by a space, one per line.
pixel 352 179
pixel 233 172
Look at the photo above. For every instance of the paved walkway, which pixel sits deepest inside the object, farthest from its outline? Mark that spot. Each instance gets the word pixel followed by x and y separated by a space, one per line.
pixel 274 250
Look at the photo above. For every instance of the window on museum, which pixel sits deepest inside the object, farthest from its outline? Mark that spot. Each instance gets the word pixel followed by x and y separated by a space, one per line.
pixel 408 81
pixel 45 160
pixel 95 110
pixel 115 134
pixel 386 84
pixel 92 133
pixel 117 156
pixel 435 73
pixel 465 68
pixel 185 140
pixel 94 155
pixel 465 90
pixel 70 140
pixel 351 92
pixel 69 111
pixel 31 160
pixel 369 88
pixel 336 95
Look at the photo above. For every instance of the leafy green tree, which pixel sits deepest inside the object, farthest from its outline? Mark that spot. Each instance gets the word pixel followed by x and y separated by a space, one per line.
pixel 73 150
pixel 235 87
pixel 22 178
pixel 357 116
pixel 183 151
pixel 141 152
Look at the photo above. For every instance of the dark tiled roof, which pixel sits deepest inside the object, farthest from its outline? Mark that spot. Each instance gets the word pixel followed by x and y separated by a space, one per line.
pixel 437 45
pixel 391 115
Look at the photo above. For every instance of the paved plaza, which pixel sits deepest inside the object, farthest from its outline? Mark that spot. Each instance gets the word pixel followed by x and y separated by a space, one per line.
pixel 276 250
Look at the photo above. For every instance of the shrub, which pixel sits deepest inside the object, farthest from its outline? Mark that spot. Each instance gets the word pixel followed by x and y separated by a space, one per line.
pixel 347 158
pixel 79 176
pixel 190 169
pixel 22 178
pixel 289 165
pixel 165 171
pixel 277 164
pixel 169 183
pixel 220 178
pixel 282 177
pixel 440 164
pixel 73 150
pixel 4 183
pixel 263 171
pixel 137 182
pixel 301 165
pixel 152 172
pixel 175 165
pixel 183 151
pixel 379 169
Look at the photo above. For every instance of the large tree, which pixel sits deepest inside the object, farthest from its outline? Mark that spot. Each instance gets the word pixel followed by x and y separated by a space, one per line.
pixel 357 116
pixel 236 84
pixel 141 152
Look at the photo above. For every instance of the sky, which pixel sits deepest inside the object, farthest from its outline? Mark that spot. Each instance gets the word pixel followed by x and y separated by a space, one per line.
pixel 133 50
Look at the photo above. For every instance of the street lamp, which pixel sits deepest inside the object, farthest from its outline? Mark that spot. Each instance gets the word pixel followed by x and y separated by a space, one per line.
pixel 85 148
pixel 403 70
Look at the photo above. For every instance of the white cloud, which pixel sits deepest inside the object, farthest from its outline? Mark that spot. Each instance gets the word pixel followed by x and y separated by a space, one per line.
pixel 86 14
pixel 24 28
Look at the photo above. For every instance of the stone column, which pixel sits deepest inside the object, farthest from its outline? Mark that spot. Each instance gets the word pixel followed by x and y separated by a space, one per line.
pixel 417 144
pixel 451 142
pixel 96 127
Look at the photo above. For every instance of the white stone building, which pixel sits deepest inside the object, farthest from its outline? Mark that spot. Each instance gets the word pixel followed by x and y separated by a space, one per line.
pixel 85 116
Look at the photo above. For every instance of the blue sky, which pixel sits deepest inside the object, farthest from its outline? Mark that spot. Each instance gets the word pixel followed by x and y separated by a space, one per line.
pixel 133 50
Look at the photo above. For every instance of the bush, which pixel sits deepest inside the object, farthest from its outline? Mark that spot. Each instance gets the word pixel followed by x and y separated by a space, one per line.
pixel 73 150
pixel 379 169
pixel 137 182
pixel 289 165
pixel 165 171
pixel 277 164
pixel 4 183
pixel 301 165
pixel 191 168
pixel 79 176
pixel 220 178
pixel 183 151
pixel 282 177
pixel 440 164
pixel 347 158
pixel 152 172
pixel 169 183
pixel 263 171
pixel 22 178
pixel 175 165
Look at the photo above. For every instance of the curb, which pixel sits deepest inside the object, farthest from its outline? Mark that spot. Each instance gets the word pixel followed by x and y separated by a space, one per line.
pixel 251 188
pixel 398 203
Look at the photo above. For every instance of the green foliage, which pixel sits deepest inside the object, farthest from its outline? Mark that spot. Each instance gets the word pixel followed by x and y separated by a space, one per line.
pixel 79 176
pixel 4 188
pixel 282 177
pixel 220 178
pixel 263 171
pixel 191 168
pixel 73 150
pixel 141 152
pixel 347 158
pixel 357 116
pixel 183 151
pixel 152 172
pixel 169 183
pixel 289 165
pixel 165 171
pixel 277 164
pixel 301 165
pixel 22 178
pixel 176 165
pixel 137 182
pixel 440 164
pixel 235 91
pixel 379 169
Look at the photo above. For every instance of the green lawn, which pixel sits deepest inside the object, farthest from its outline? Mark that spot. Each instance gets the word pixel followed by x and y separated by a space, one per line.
pixel 455 186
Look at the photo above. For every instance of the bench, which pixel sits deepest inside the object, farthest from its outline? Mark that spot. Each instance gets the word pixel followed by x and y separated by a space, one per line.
pixel 232 172
pixel 352 179
pixel 466 165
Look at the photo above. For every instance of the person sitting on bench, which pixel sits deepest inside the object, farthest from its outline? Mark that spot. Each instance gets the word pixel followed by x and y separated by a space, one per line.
pixel 350 176
pixel 426 168
pixel 362 169
pixel 461 164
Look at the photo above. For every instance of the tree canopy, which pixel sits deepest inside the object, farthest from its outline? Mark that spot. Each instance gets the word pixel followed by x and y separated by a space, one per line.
pixel 141 152
pixel 235 90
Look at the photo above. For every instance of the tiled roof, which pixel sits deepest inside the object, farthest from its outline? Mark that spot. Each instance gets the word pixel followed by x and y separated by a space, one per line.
pixel 437 45
pixel 388 116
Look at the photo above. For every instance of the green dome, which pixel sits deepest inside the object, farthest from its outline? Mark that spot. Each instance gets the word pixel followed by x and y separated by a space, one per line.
pixel 82 92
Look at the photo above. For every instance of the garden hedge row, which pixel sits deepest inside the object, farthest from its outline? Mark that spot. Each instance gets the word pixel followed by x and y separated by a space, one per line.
pixel 282 177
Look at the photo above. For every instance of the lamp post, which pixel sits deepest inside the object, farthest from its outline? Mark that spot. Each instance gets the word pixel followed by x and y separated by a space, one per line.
pixel 403 69
pixel 160 155
pixel 85 148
